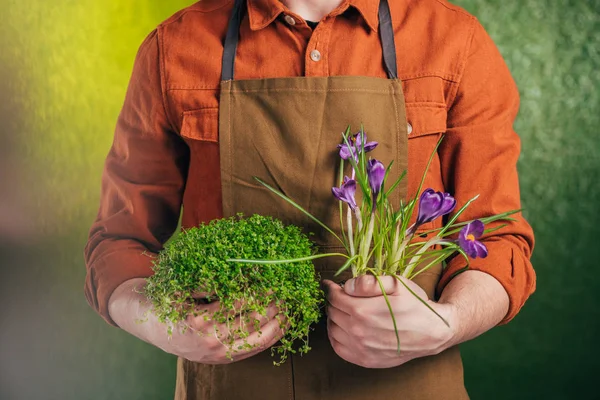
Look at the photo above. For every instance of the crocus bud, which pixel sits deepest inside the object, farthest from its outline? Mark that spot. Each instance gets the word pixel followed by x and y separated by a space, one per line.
pixel 376 174
pixel 434 204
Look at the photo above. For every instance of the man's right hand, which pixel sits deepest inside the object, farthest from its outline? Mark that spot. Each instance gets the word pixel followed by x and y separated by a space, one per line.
pixel 128 307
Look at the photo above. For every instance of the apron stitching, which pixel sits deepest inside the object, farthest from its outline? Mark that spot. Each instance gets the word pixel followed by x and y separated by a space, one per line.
pixel 229 149
pixel 310 195
pixel 309 90
pixel 397 133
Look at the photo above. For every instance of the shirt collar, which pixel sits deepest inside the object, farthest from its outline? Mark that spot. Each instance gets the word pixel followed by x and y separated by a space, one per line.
pixel 263 12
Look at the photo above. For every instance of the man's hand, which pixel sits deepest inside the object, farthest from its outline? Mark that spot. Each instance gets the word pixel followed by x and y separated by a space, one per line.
pixel 361 330
pixel 131 310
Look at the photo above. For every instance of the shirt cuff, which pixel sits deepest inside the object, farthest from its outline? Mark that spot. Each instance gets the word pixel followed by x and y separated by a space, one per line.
pixel 110 270
pixel 505 262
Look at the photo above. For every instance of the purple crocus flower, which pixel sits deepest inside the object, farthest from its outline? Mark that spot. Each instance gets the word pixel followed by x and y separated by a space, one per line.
pixel 434 204
pixel 346 192
pixel 467 239
pixel 356 144
pixel 376 174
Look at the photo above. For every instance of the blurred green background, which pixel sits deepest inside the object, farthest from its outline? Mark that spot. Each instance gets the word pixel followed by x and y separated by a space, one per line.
pixel 64 67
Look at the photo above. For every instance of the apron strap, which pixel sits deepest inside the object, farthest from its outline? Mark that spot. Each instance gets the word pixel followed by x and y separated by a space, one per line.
pixel 231 40
pixel 388 44
pixel 386 32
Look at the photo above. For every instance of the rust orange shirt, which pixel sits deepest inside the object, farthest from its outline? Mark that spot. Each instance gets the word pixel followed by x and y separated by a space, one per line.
pixel 455 83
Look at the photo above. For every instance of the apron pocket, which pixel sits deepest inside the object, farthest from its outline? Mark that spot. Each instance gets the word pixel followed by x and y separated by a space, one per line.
pixel 202 124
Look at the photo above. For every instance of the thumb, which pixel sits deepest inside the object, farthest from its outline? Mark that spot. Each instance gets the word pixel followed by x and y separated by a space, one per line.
pixel 368 286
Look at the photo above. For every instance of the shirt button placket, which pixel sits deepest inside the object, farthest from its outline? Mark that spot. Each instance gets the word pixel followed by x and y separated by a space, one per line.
pixel 316 61
pixel 290 20
pixel 315 55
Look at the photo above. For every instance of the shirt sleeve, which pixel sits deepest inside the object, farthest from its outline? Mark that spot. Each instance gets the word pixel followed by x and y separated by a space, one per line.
pixel 142 186
pixel 479 155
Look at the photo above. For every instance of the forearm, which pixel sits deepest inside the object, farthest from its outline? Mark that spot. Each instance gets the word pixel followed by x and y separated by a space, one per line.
pixel 128 306
pixel 478 302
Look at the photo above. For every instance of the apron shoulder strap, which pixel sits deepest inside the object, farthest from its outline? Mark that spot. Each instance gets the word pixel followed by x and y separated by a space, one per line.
pixel 386 32
pixel 231 40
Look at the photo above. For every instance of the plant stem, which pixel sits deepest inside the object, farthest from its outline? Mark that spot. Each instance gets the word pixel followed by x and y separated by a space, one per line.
pixel 366 242
pixel 415 259
pixel 398 254
pixel 350 238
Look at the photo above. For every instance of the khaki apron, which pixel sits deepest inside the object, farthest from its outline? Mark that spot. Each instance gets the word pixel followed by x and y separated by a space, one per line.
pixel 285 131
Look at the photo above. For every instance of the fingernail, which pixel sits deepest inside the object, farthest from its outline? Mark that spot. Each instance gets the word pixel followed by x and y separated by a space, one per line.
pixel 349 286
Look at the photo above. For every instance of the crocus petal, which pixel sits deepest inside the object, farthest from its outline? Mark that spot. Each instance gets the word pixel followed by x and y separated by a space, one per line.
pixel 448 204
pixel 476 228
pixel 480 249
pixel 370 146
pixel 434 204
pixel 345 151
pixel 429 204
pixel 467 239
pixel 376 174
pixel 349 186
pixel 358 139
pixel 338 193
pixel 361 138
pixel 346 192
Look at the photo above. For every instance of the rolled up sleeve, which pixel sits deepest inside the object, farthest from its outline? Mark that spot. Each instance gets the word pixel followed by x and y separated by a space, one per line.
pixel 479 156
pixel 142 186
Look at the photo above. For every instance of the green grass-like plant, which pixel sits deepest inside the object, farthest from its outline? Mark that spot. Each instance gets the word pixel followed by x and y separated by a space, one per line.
pixel 196 262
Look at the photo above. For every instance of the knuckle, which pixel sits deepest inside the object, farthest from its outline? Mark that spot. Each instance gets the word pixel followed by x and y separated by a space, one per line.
pixel 360 314
pixel 357 332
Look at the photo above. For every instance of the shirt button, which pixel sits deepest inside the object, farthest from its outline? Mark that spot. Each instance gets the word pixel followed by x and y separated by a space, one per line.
pixel 290 20
pixel 409 128
pixel 315 55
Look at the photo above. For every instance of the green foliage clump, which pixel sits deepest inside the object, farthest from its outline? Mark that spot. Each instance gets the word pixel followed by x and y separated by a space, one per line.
pixel 196 262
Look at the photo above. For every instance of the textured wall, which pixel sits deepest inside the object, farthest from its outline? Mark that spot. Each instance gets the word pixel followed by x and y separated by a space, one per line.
pixel 64 66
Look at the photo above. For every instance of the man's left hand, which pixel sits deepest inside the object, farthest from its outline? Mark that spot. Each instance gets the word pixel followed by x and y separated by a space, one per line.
pixel 360 325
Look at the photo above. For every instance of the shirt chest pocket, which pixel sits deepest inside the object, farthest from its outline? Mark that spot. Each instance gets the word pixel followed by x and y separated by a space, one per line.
pixel 200 126
pixel 426 124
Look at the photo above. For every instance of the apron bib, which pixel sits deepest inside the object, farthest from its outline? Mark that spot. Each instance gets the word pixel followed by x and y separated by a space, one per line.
pixel 285 131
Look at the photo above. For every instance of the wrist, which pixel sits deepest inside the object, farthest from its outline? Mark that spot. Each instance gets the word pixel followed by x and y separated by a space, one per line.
pixel 127 303
pixel 451 314
pixel 476 302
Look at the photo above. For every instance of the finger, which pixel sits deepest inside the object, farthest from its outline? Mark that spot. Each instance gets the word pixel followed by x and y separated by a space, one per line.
pixel 339 317
pixel 201 316
pixel 203 297
pixel 253 321
pixel 203 320
pixel 343 351
pixel 337 297
pixel 369 286
pixel 334 331
pixel 259 341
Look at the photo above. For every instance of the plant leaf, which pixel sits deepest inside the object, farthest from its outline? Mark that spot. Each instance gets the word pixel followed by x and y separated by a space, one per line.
pixel 421 300
pixel 396 183
pixel 289 260
pixel 299 207
pixel 387 301
pixel 346 265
